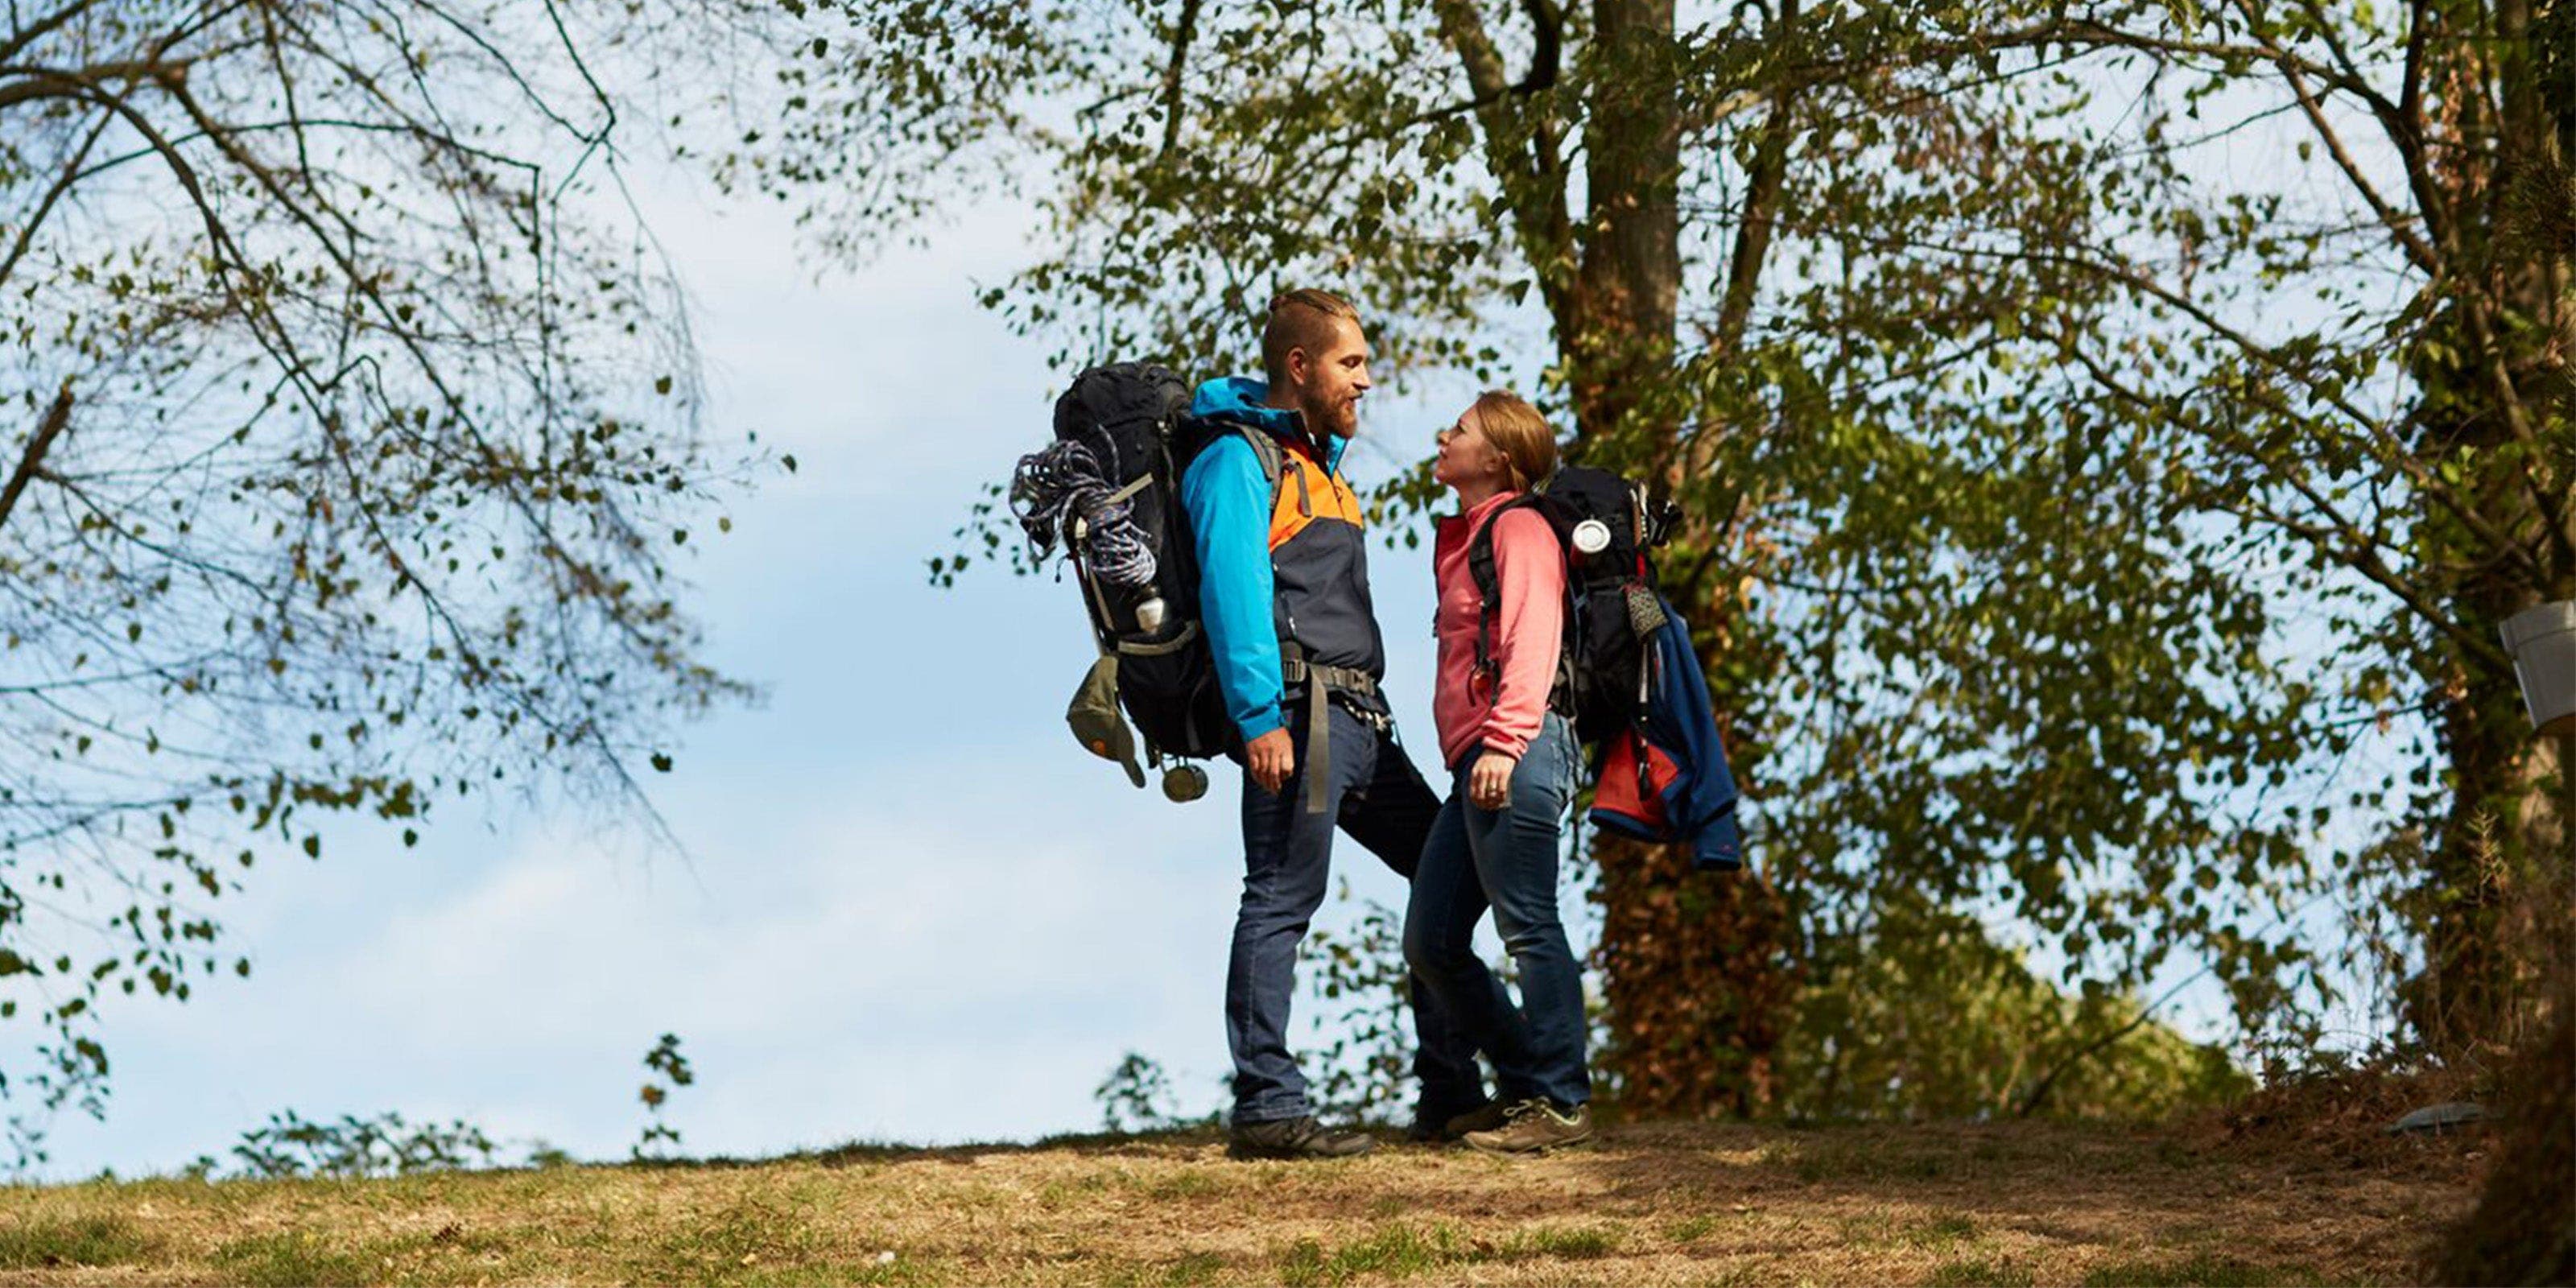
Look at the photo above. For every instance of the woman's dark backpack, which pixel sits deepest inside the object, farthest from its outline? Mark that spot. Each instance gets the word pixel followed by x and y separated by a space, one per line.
pixel 1606 526
pixel 1627 677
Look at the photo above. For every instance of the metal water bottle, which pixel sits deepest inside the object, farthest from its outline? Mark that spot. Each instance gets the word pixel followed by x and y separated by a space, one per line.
pixel 1591 537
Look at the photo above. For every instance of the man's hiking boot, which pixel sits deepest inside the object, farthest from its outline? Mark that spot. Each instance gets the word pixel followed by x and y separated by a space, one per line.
pixel 1295 1138
pixel 1534 1126
pixel 1448 1129
pixel 1436 1124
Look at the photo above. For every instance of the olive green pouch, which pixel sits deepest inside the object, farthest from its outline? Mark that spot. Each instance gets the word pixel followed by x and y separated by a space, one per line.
pixel 1097 723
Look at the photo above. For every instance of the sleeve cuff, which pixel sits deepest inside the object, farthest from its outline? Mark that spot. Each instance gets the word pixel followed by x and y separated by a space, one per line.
pixel 1512 747
pixel 1263 723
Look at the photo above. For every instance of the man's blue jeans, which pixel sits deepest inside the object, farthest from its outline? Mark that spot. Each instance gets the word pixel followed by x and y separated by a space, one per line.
pixel 1379 798
pixel 1506 858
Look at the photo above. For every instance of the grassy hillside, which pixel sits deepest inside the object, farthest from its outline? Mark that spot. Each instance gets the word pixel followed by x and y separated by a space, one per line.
pixel 1661 1204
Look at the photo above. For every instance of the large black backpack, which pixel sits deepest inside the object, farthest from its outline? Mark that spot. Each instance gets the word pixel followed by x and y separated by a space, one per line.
pixel 1606 525
pixel 1110 491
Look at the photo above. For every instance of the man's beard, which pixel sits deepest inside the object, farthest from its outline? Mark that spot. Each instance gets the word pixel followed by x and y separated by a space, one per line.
pixel 1342 418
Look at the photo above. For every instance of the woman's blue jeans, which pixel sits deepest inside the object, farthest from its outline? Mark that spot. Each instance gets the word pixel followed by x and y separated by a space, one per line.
pixel 1506 859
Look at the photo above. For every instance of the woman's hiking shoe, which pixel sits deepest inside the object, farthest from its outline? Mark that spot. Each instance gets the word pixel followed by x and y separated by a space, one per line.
pixel 1534 1126
pixel 1295 1138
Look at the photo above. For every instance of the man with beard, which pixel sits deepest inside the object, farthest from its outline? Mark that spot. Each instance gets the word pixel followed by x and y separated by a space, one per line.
pixel 1284 595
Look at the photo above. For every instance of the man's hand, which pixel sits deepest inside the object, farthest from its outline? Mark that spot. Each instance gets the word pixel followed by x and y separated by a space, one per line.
pixel 1272 757
pixel 1489 782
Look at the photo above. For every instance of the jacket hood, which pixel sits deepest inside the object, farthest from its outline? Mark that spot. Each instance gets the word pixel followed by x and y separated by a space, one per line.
pixel 1241 400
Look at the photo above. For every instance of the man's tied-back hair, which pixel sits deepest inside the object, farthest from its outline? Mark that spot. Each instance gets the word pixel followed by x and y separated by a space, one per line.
pixel 1300 319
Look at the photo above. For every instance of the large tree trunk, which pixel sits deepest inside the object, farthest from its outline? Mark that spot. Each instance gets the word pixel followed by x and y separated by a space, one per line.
pixel 1694 967
pixel 2521 1231
pixel 1698 985
pixel 2494 899
pixel 1628 294
pixel 2494 896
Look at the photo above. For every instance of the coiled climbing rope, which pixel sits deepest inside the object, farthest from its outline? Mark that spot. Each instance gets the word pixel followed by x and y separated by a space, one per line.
pixel 1050 489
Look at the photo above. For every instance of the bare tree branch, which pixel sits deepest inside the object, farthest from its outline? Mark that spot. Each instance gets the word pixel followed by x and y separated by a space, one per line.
pixel 57 417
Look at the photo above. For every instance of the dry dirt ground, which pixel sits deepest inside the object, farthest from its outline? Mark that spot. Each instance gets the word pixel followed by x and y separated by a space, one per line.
pixel 1653 1204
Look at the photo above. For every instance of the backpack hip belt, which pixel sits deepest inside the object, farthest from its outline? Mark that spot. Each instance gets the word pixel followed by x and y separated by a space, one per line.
pixel 1321 680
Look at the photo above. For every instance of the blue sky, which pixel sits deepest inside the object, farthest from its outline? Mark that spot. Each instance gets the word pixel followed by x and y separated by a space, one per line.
pixel 912 907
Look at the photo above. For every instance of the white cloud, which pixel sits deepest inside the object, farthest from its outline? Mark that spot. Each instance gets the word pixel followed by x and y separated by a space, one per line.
pixel 863 912
pixel 901 965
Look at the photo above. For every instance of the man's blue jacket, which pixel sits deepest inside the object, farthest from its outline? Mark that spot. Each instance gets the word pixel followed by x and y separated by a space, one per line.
pixel 1288 562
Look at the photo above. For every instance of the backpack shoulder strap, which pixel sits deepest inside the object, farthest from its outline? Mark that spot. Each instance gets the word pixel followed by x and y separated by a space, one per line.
pixel 1189 436
pixel 1489 589
pixel 1265 449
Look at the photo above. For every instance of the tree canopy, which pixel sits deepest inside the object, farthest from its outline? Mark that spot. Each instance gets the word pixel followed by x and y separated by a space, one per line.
pixel 2112 430
pixel 358 430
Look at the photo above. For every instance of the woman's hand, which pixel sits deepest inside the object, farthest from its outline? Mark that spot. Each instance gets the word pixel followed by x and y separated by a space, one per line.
pixel 1489 780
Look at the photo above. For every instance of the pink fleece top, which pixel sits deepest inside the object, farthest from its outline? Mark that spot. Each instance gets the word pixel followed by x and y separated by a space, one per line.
pixel 1529 631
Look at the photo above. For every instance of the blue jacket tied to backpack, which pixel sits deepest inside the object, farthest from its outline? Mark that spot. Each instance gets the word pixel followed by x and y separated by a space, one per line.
pixel 1667 779
pixel 1679 714
pixel 1276 562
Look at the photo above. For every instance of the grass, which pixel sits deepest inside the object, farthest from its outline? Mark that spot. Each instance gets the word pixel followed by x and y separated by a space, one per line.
pixel 1692 1229
pixel 2202 1271
pixel 1395 1252
pixel 1193 1269
pixel 1654 1204
pixel 293 1258
pixel 1941 1232
pixel 100 1239
pixel 1186 1185
pixel 1818 1161
pixel 752 1239
pixel 1560 1243
pixel 1400 1251
pixel 1981 1273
